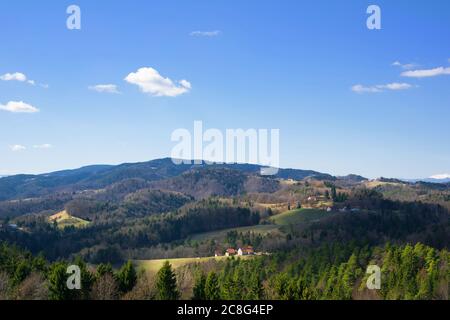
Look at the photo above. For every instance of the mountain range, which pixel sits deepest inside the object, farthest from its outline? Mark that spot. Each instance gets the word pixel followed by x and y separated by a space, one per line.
pixel 155 171
pixel 100 176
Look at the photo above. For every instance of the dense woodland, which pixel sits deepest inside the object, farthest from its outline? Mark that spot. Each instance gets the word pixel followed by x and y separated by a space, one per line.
pixel 157 210
pixel 332 272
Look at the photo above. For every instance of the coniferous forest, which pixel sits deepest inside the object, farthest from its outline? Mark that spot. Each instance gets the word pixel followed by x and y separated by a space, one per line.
pixel 225 233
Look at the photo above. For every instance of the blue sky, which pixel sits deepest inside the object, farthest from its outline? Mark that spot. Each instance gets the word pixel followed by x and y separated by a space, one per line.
pixel 272 64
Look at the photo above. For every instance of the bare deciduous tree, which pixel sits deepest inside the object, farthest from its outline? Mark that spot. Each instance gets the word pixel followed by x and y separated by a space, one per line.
pixel 34 287
pixel 143 290
pixel 105 288
pixel 4 286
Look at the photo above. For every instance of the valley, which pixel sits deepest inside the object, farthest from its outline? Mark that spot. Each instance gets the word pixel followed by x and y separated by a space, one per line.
pixel 149 213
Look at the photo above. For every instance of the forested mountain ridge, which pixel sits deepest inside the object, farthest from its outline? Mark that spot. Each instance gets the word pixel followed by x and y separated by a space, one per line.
pixel 156 210
pixel 100 176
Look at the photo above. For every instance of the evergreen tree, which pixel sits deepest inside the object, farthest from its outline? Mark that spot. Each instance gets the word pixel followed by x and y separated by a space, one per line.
pixel 333 193
pixel 103 269
pixel 229 288
pixel 199 288
pixel 87 279
pixel 212 289
pixel 21 272
pixel 166 283
pixel 126 277
pixel 57 282
pixel 255 288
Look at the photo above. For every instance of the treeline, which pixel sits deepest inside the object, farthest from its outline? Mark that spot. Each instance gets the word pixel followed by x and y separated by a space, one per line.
pixel 407 272
pixel 168 228
pixel 332 273
pixel 24 277
pixel 16 208
pixel 379 220
pixel 105 242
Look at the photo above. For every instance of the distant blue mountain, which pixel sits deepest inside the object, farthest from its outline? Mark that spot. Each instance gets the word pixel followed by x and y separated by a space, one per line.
pixel 428 180
pixel 100 176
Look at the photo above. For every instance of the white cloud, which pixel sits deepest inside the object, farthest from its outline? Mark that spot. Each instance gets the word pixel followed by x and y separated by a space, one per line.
pixel 186 84
pixel 395 86
pixel 426 73
pixel 359 88
pixel 150 81
pixel 18 107
pixel 441 176
pixel 17 148
pixel 407 66
pixel 214 33
pixel 43 146
pixel 17 76
pixel 105 88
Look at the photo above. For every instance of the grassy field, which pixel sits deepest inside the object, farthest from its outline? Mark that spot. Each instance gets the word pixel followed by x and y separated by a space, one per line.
pixel 299 216
pixel 220 234
pixel 153 266
pixel 64 219
pixel 286 218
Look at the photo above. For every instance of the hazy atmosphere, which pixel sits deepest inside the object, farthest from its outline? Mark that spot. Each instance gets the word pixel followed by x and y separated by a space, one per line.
pixel 378 109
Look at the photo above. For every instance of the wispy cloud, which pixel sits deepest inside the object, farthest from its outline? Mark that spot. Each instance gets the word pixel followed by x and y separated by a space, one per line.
pixel 43 146
pixel 21 77
pixel 17 148
pixel 407 66
pixel 359 88
pixel 105 88
pixel 150 81
pixel 18 107
pixel 214 33
pixel 427 73
pixel 17 76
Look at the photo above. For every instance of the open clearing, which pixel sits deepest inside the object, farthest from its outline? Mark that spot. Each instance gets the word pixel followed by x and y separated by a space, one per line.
pixel 64 219
pixel 298 216
pixel 289 217
pixel 153 266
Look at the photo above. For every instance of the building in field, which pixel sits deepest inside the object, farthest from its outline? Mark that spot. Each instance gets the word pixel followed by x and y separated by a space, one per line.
pixel 230 252
pixel 246 251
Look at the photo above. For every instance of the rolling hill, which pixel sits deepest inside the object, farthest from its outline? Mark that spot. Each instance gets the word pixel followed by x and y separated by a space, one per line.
pixel 101 176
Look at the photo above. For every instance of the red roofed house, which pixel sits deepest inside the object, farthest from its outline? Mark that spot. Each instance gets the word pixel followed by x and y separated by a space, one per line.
pixel 230 252
pixel 246 251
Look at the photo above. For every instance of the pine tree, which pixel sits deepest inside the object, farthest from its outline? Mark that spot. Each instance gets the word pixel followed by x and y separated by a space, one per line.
pixel 166 283
pixel 21 272
pixel 126 277
pixel 212 289
pixel 87 279
pixel 103 269
pixel 255 288
pixel 199 288
pixel 57 280
pixel 333 193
